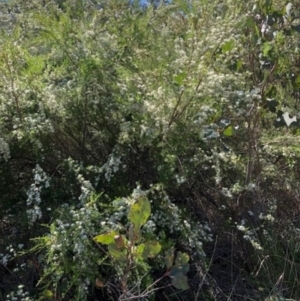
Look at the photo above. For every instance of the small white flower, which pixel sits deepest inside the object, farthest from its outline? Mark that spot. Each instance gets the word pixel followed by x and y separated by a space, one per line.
pixel 241 228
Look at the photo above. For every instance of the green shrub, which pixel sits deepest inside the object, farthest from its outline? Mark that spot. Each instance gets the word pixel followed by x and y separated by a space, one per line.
pixel 193 105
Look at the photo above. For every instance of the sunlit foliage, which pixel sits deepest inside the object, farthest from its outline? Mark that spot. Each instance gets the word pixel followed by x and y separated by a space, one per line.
pixel 192 104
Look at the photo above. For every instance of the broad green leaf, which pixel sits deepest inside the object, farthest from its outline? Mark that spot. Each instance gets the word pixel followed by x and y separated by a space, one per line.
pixel 180 282
pixel 152 248
pixel 140 250
pixel 107 238
pixel 228 132
pixel 134 234
pixel 47 294
pixel 116 253
pixel 183 269
pixel 140 212
pixel 181 259
pixel 181 264
pixel 175 270
pixel 169 258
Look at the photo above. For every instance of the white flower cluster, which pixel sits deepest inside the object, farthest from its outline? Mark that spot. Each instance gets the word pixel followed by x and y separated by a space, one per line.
pixel 250 232
pixel 250 235
pixel 267 217
pixel 11 253
pixel 86 188
pixel 71 239
pixel 204 114
pixel 71 247
pixel 51 94
pixel 19 295
pixel 111 166
pixel 41 181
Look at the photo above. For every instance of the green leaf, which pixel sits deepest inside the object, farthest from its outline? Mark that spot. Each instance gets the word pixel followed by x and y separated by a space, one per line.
pixel 227 46
pixel 178 79
pixel 174 271
pixel 297 81
pixel 180 282
pixel 140 250
pixel 152 248
pixel 228 132
pixel 266 6
pixel 34 65
pixel 239 65
pixel 134 234
pixel 181 259
pixel 140 212
pixel 106 239
pixel 169 258
pixel 47 294
pixel 266 48
pixel 180 269
pixel 181 264
pixel 116 253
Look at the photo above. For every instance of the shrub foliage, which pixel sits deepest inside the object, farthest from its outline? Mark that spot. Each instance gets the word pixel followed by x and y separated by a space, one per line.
pixel 148 151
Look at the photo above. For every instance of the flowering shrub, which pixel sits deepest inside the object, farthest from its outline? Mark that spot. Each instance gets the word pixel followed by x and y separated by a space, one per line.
pixel 34 195
pixel 131 250
pixel 191 104
pixel 77 260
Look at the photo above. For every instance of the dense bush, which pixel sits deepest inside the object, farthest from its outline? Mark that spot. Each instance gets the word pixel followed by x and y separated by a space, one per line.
pixel 192 105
